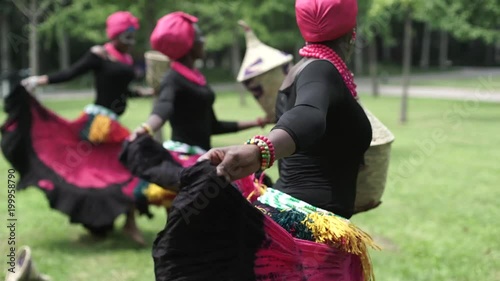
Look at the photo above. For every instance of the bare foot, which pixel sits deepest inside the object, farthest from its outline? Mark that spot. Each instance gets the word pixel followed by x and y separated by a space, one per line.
pixel 135 234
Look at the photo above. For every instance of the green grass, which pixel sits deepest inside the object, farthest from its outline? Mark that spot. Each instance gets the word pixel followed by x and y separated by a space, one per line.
pixel 438 220
pixel 492 82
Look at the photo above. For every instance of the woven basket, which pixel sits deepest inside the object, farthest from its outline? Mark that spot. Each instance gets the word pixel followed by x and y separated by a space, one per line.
pixel 373 176
pixel 265 88
pixel 157 65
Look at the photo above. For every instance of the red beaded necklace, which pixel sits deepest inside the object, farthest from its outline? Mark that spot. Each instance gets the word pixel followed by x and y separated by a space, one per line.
pixel 320 51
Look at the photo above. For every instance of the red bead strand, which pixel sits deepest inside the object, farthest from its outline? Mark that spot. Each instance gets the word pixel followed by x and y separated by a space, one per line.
pixel 320 51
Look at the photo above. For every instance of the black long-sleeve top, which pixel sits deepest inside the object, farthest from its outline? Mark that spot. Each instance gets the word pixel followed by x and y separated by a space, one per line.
pixel 111 78
pixel 331 133
pixel 189 108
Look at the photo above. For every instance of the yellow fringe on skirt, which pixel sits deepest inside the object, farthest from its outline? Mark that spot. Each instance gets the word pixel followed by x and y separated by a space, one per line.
pixel 159 196
pixel 341 233
pixel 325 227
pixel 100 128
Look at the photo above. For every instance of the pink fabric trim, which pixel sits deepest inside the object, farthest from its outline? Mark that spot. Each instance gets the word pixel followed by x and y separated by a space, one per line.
pixel 11 126
pixel 121 57
pixel 46 184
pixel 56 143
pixel 192 75
pixel 130 187
pixel 297 259
pixel 184 160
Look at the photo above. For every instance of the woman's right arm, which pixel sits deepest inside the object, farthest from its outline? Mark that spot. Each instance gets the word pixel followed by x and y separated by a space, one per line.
pixel 90 61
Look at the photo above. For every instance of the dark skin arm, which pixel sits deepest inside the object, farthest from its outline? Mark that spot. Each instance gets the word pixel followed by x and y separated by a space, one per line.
pixel 298 128
pixel 236 162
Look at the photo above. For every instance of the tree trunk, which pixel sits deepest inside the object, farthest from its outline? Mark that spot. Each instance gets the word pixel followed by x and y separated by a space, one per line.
pixel 443 50
pixel 4 41
pixel 489 55
pixel 426 47
pixel 64 51
pixel 4 52
pixel 33 40
pixel 406 66
pixel 497 52
pixel 298 46
pixel 386 52
pixel 150 9
pixel 358 56
pixel 372 48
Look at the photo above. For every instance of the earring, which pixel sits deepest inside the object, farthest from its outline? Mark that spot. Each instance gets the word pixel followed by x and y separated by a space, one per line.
pixel 353 38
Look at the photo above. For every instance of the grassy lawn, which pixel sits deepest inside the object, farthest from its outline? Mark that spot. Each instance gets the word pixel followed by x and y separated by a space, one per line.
pixel 438 220
pixel 491 82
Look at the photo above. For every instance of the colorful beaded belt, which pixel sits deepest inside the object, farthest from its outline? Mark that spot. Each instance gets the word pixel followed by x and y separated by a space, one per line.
pixel 183 148
pixel 100 110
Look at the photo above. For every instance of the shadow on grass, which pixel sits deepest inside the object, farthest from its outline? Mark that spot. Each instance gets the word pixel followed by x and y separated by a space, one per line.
pixel 85 244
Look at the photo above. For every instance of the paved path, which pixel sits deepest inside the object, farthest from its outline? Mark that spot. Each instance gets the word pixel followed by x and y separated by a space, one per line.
pixel 482 93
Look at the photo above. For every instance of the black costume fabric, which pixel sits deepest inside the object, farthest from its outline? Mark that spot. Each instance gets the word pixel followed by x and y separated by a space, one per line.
pixel 214 233
pixel 330 142
pixel 111 80
pixel 147 159
pixel 189 109
pixel 96 207
pixel 208 236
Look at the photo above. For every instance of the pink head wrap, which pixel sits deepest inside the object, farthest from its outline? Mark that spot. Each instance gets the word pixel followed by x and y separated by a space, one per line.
pixel 325 20
pixel 119 22
pixel 174 35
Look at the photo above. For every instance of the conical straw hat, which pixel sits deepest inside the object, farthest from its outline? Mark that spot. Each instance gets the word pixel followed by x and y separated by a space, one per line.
pixel 259 58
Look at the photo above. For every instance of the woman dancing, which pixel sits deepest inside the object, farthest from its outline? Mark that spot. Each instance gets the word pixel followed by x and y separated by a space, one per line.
pixel 76 162
pixel 298 230
pixel 186 99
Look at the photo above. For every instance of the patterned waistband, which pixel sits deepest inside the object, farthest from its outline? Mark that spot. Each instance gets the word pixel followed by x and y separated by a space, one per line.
pixel 183 148
pixel 283 201
pixel 304 221
pixel 100 110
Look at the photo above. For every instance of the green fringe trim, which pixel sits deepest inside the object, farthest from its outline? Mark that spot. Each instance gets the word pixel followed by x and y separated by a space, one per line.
pixel 291 221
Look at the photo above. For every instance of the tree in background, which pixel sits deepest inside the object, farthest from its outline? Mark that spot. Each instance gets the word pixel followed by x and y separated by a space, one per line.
pixel 35 11
pixel 5 36
pixel 373 18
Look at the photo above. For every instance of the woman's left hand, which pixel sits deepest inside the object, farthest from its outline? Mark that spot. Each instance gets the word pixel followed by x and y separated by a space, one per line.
pixel 146 92
pixel 234 162
pixel 262 122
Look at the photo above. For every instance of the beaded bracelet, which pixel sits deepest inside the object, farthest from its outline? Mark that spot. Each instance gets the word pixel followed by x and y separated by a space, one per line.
pixel 147 128
pixel 261 122
pixel 272 152
pixel 266 151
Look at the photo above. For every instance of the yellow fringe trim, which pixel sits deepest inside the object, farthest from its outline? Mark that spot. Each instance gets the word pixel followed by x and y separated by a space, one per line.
pixel 340 233
pixel 259 188
pixel 159 196
pixel 99 129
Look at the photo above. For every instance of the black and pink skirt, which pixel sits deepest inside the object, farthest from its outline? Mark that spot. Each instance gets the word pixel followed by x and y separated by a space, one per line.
pixel 225 232
pixel 76 163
